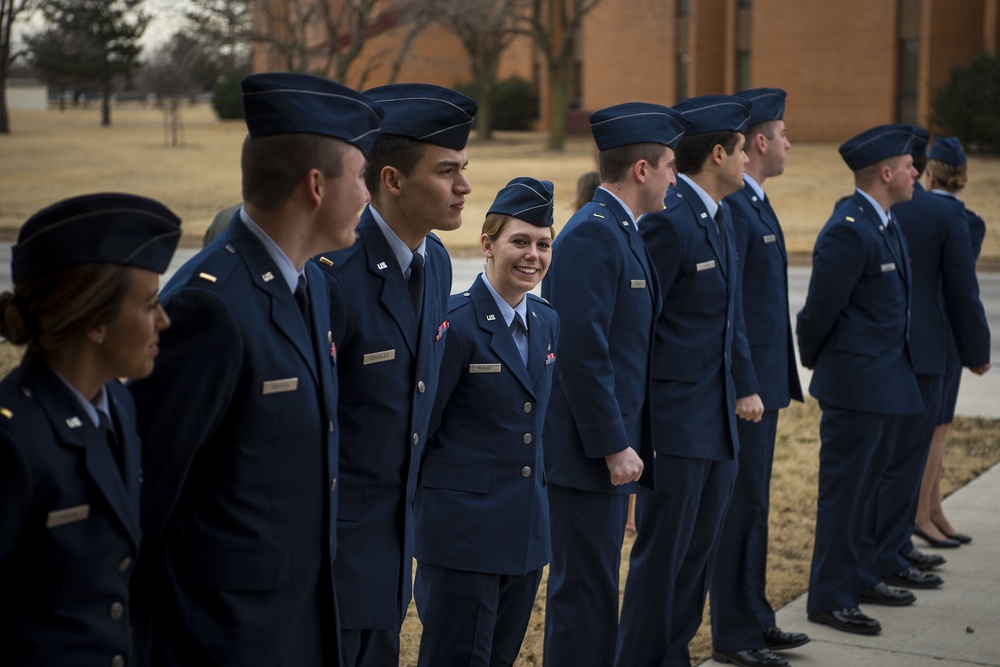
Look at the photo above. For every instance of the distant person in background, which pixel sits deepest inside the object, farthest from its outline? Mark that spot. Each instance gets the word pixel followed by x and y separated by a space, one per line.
pixel 219 223
pixel 947 174
pixel 585 186
pixel 482 532
pixel 86 275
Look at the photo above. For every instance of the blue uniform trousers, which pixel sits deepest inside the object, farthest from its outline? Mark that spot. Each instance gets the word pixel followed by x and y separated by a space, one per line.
pixel 587 532
pixel 672 559
pixel 476 619
pixel 369 648
pixel 740 610
pixel 855 451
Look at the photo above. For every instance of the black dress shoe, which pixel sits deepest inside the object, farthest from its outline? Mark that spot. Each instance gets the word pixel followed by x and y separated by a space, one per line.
pixel 848 620
pixel 891 597
pixel 776 640
pixel 757 657
pixel 946 543
pixel 914 578
pixel 961 538
pixel 923 561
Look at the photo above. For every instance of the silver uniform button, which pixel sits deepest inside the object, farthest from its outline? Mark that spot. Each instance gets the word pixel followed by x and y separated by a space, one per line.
pixel 526 438
pixel 420 387
pixel 527 407
pixel 333 484
pixel 116 611
pixel 118 661
pixel 526 471
pixel 416 439
pixel 124 564
pixel 330 426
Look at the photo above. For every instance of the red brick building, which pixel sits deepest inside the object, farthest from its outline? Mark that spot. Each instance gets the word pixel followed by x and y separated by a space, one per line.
pixel 847 64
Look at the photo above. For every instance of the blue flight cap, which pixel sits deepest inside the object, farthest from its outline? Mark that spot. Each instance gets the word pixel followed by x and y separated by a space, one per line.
pixel 104 228
pixel 715 113
pixel 291 103
pixel 526 199
pixel 636 123
pixel 947 150
pixel 426 112
pixel 921 138
pixel 766 104
pixel 876 144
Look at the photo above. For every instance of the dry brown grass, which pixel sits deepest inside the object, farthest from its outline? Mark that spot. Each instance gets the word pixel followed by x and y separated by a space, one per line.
pixel 53 155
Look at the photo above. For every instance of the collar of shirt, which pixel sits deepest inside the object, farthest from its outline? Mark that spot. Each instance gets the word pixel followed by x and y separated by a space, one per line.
pixel 755 186
pixel 710 205
pixel 631 215
pixel 91 408
pixel 882 214
pixel 285 267
pixel 505 309
pixel 945 193
pixel 399 249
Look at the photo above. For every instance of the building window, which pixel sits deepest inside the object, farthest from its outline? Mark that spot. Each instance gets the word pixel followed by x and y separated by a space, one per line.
pixel 909 67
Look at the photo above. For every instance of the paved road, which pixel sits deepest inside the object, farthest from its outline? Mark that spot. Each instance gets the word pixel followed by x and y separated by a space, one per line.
pixel 978 397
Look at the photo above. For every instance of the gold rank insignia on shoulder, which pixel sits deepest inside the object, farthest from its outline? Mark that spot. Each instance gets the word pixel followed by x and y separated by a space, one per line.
pixel 849 219
pixel 207 276
pixel 5 413
pixel 598 215
pixel 324 260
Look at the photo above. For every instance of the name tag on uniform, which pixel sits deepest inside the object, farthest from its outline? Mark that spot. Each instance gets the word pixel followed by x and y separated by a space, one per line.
pixel 69 515
pixel 891 266
pixel 704 266
pixel 484 368
pixel 638 284
pixel 378 357
pixel 770 238
pixel 279 386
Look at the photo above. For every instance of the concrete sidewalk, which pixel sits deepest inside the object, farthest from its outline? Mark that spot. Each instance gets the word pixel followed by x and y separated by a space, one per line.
pixel 957 624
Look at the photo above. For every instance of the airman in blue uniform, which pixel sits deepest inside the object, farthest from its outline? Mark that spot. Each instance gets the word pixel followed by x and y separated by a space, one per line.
pixel 482 510
pixel 743 621
pixel 598 439
pixel 853 331
pixel 388 305
pixel 85 302
pixel 699 349
pixel 240 439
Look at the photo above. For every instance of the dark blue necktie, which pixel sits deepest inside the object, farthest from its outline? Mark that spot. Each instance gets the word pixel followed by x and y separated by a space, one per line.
pixel 416 283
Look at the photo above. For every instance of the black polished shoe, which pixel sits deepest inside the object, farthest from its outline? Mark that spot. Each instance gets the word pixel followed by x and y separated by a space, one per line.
pixel 924 562
pixel 757 657
pixel 946 543
pixel 848 620
pixel 776 640
pixel 914 578
pixel 961 538
pixel 890 597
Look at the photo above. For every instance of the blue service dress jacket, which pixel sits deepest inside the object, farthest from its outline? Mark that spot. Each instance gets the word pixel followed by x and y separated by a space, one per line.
pixel 602 283
pixel 942 264
pixel 388 364
pixel 700 344
pixel 482 505
pixel 854 326
pixel 760 246
pixel 240 467
pixel 69 523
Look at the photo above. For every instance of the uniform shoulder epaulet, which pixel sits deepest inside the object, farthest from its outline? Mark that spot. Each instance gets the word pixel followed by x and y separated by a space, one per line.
pixel 540 299
pixel 434 238
pixel 460 300
pixel 215 267
pixel 849 218
pixel 333 261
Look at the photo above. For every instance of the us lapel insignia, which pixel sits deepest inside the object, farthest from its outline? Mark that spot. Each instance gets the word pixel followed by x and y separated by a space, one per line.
pixel 381 265
pixel 74 422
pixel 268 277
pixel 490 318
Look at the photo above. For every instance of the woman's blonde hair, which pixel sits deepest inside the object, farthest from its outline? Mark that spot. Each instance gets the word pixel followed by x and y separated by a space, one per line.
pixel 948 176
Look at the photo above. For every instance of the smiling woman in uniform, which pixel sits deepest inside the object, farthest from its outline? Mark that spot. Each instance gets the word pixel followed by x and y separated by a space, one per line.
pixel 86 275
pixel 482 533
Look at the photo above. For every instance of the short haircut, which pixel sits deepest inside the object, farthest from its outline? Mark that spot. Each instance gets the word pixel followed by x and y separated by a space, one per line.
pixel 949 177
pixel 390 150
pixel 693 150
pixel 766 128
pixel 55 310
pixel 495 222
pixel 615 163
pixel 867 175
pixel 274 165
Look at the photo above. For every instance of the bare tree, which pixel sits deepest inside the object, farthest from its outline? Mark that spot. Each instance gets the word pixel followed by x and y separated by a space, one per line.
pixel 555 26
pixel 9 11
pixel 485 28
pixel 171 75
